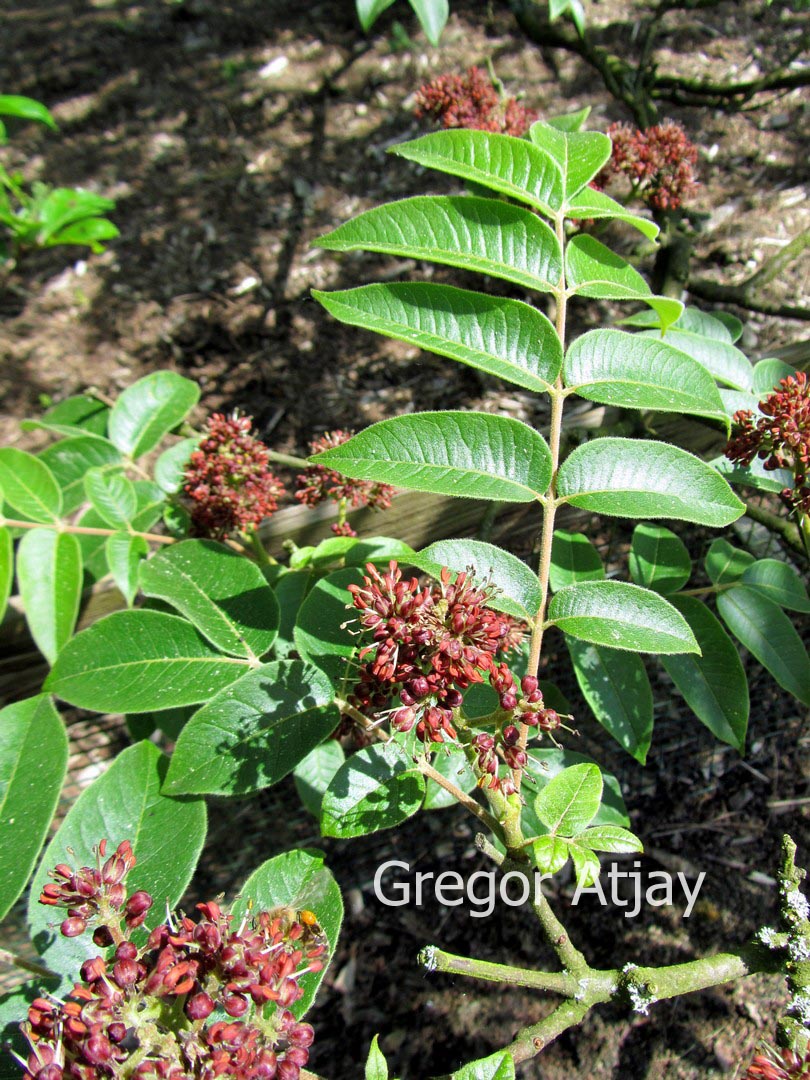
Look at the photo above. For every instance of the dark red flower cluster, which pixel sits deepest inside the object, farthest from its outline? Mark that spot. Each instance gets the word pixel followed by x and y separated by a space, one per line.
pixel 141 1013
pixel 780 438
pixel 432 642
pixel 774 1064
pixel 228 479
pixel 319 483
pixel 659 162
pixel 471 101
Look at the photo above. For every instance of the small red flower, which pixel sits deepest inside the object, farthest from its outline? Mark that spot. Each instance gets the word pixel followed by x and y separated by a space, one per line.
pixel 471 101
pixel 228 479
pixel 773 1064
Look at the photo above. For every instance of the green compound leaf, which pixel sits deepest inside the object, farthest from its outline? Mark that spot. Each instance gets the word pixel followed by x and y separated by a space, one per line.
pixel 659 559
pixel 637 478
pixel 6 567
pixel 87 414
pixel 222 593
pixel 550 853
pixel 140 661
pixel 713 684
pixel 573 559
pixel 725 362
pixel 377 788
pixel 765 630
pixel 511 166
pixel 112 496
pixel 325 617
pixel 486 235
pixel 432 16
pixel 618 691
pixel 579 154
pixel 29 486
pixel 725 563
pixel 754 475
pixel 124 556
pixel 49 573
pixel 499 1066
pixel 33 761
pixel 71 459
pixel 778 581
pixel 472 455
pixel 368 11
pixel 590 203
pixel 616 368
pixel 254 732
pixel 621 616
pixel 297 880
pixel 569 802
pixel 313 774
pixel 124 803
pixel 149 409
pixel 26 108
pixel 518 588
pixel 504 338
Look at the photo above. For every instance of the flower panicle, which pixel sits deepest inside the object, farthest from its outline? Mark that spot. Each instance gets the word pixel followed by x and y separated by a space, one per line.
pixel 471 101
pixel 780 437
pixel 659 161
pixel 228 480
pixel 318 483
pixel 142 1011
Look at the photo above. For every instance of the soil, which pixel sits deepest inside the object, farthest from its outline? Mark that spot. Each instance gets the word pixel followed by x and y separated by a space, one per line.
pixel 231 136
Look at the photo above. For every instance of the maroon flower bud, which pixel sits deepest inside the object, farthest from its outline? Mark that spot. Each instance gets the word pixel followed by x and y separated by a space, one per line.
pixel 528 684
pixel 73 927
pixel 510 735
pixel 125 973
pixel 137 906
pixel 199 1007
pixel 235 1005
pixel 301 1035
pixel 418 687
pixel 98 1050
pixel 548 719
pixel 93 969
pixel 509 700
pixel 49 1072
pixel 117 1032
pixel 126 951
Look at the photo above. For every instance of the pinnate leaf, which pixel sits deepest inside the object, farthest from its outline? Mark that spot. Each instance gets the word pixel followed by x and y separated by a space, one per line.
pixel 149 409
pixel 638 478
pixel 140 661
pixel 590 203
pixel 486 235
pixel 617 689
pixel 125 553
pixel 725 362
pixel 780 582
pixel 33 760
pixel 313 774
pixel 112 495
pixel 659 559
pixel 49 572
pixel 6 568
pixel 499 1066
pixel 579 154
pixel 621 616
pixel 713 684
pixel 254 732
pixel 502 337
pixel 377 788
pixel 432 16
pixel 569 802
pixel 725 563
pixel 29 485
pixel 368 11
pixel 617 368
pixel 224 594
pixel 768 633
pixel 573 559
pixel 511 166
pixel 71 459
pixel 518 590
pixel 473 455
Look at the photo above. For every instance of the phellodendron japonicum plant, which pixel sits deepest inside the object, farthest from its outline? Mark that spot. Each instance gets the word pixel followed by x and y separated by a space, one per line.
pixel 386 680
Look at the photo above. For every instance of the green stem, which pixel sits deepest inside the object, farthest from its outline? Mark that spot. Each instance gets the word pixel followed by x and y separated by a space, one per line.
pixel 287 459
pixel 13 960
pixel 263 557
pixel 776 523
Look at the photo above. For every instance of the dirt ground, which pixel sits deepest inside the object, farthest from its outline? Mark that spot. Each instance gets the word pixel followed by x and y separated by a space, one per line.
pixel 232 135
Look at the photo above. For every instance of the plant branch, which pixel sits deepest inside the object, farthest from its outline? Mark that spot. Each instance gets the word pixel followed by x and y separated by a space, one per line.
pixel 532 1040
pixel 555 982
pixel 83 530
pixel 776 523
pixel 13 960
